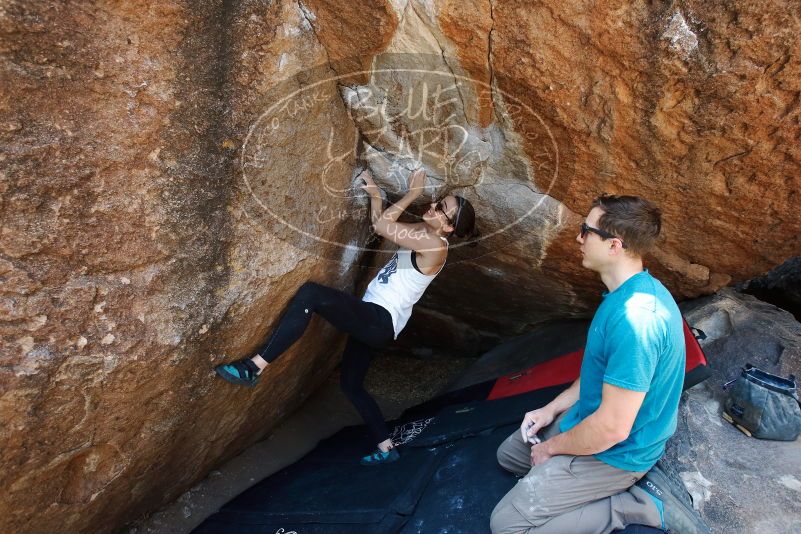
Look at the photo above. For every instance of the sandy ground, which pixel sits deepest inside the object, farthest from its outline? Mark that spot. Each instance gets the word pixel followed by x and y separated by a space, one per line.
pixel 397 383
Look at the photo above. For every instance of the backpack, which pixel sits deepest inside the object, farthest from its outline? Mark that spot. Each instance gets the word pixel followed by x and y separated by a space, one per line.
pixel 763 404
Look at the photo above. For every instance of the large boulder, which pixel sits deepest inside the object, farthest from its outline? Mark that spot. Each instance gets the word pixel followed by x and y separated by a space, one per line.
pixel 133 254
pixel 173 171
pixel 542 106
pixel 739 483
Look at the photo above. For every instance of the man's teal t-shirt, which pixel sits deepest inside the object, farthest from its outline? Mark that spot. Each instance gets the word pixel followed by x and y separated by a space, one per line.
pixel 635 342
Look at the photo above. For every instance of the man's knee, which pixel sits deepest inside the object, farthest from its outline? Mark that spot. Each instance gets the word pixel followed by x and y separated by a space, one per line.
pixel 507 458
pixel 505 519
pixel 503 455
pixel 496 519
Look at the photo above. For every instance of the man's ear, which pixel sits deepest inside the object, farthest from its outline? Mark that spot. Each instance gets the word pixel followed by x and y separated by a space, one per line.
pixel 617 247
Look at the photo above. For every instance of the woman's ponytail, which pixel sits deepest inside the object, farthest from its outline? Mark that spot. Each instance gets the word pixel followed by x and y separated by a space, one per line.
pixel 472 238
pixel 464 225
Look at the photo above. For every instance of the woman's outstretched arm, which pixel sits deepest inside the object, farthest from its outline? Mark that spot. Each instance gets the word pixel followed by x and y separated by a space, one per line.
pixel 417 184
pixel 376 202
pixel 385 222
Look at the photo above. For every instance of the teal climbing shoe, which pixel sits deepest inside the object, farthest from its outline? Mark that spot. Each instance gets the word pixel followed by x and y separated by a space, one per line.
pixel 241 372
pixel 381 457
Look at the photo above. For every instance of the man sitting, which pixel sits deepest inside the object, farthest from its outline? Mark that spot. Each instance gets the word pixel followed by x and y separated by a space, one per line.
pixel 582 454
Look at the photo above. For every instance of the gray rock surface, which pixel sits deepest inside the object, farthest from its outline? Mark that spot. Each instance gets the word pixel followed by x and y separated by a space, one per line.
pixel 739 484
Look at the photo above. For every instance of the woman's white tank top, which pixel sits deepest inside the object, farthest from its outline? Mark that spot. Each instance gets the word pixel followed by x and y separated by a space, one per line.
pixel 398 286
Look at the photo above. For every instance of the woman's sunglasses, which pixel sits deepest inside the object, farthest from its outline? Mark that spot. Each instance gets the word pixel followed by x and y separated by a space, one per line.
pixel 597 231
pixel 440 206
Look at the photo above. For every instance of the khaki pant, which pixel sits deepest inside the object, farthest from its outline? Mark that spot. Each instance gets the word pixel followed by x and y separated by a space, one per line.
pixel 568 494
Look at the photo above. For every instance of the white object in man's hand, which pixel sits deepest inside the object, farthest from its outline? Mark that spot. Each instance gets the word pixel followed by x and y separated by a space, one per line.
pixel 533 422
pixel 535 439
pixel 532 439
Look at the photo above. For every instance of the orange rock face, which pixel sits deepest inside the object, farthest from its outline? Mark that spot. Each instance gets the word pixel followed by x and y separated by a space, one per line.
pixel 697 110
pixel 679 110
pixel 172 172
pixel 133 255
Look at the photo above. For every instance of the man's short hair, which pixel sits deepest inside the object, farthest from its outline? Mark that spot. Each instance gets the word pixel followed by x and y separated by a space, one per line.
pixel 636 221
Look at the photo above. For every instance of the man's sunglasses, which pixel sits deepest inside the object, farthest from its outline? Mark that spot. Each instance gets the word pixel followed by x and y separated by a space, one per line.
pixel 441 207
pixel 603 233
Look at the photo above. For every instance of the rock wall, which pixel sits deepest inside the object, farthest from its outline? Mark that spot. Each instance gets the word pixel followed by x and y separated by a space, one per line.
pixel 173 171
pixel 739 484
pixel 132 255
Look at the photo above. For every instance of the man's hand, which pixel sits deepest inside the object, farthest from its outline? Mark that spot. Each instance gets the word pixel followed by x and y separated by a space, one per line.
pixel 369 185
pixel 417 182
pixel 533 422
pixel 539 454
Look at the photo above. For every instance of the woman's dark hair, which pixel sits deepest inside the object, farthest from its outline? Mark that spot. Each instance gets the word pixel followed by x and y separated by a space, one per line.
pixel 464 222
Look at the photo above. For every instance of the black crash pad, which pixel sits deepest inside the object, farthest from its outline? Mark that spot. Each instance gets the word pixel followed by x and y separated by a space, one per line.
pixel 328 487
pixel 465 420
pixel 451 487
pixel 465 487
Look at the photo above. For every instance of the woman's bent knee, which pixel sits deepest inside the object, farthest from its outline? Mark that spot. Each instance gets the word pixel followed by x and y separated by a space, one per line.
pixel 308 296
pixel 350 387
pixel 307 290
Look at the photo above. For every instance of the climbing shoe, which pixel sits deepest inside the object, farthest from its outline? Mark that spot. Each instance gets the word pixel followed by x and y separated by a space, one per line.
pixel 380 457
pixel 241 372
pixel 673 501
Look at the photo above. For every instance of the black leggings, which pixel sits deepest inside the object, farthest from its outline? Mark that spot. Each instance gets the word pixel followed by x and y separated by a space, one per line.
pixel 369 327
